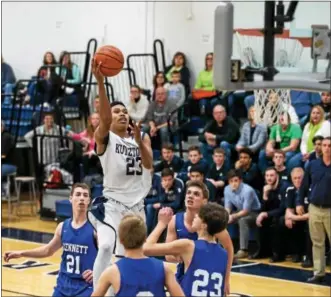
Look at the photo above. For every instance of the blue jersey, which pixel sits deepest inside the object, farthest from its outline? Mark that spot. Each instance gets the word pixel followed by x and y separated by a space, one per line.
pixel 206 274
pixel 141 277
pixel 79 253
pixel 182 233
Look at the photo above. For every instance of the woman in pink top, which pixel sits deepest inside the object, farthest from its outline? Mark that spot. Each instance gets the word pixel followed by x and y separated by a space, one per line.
pixel 90 159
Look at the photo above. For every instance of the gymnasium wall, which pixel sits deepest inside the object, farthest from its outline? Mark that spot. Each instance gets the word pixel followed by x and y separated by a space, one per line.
pixel 30 29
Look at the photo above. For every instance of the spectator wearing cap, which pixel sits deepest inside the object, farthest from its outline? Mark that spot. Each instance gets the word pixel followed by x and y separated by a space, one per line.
pixel 243 205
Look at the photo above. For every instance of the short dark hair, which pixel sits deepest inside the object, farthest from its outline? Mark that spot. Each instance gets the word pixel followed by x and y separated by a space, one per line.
pixel 215 216
pixel 175 72
pixel 167 146
pixel 246 151
pixel 114 103
pixel 234 173
pixel 317 138
pixel 80 185
pixel 132 232
pixel 200 185
pixel 194 148
pixel 280 152
pixel 271 169
pixel 167 172
pixel 136 87
pixel 197 168
pixel 327 138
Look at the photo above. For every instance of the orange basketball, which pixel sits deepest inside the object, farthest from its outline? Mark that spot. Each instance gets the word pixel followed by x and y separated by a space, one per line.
pixel 111 58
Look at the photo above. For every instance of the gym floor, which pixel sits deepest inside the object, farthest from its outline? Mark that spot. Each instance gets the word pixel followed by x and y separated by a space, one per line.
pixel 29 277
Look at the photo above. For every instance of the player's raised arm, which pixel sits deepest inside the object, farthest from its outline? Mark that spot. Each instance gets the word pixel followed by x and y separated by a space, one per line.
pixel 44 251
pixel 183 247
pixel 171 236
pixel 105 109
pixel 145 147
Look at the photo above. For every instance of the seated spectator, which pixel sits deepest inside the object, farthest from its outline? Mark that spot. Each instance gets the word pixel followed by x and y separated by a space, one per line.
pixel 157 116
pixel 8 80
pixel 222 131
pixel 217 173
pixel 179 64
pixel 152 198
pixel 204 92
pixel 159 80
pixel 317 125
pixel 169 159
pixel 272 218
pixel 197 173
pixel 250 173
pixel 298 227
pixel 274 105
pixel 286 137
pixel 7 152
pixel 326 105
pixel 175 89
pixel 243 205
pixel 44 71
pixel 317 153
pixel 170 195
pixel 90 161
pixel 194 158
pixel 138 104
pixel 96 104
pixel 253 136
pixel 70 74
pixel 279 159
pixel 50 145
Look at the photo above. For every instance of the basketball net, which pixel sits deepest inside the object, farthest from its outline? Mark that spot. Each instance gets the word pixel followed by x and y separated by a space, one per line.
pixel 269 104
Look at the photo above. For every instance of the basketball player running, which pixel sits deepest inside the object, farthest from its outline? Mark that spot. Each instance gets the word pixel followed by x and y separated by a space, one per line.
pixel 136 274
pixel 181 227
pixel 78 240
pixel 205 261
pixel 126 162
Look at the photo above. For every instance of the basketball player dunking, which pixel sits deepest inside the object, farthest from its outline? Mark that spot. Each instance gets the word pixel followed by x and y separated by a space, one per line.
pixel 126 161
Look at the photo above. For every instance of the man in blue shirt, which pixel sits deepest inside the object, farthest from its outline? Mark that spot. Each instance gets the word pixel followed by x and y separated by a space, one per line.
pixel 316 185
pixel 242 203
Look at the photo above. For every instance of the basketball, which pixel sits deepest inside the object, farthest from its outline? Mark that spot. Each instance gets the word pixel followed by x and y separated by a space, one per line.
pixel 111 58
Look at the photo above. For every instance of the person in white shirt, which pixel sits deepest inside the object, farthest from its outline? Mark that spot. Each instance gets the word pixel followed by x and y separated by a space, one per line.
pixel 138 104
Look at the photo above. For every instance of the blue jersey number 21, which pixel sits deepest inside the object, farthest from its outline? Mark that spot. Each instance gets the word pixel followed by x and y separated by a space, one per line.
pixel 73 264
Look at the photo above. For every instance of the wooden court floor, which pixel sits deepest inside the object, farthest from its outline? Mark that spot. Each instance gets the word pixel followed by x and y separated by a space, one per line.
pixel 33 277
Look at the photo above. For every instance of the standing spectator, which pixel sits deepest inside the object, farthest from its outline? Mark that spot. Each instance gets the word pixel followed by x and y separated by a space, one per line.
pixel 243 205
pixel 159 80
pixel 169 159
pixel 222 131
pixel 50 145
pixel 179 64
pixel 271 220
pixel 286 137
pixel 176 90
pixel 298 226
pixel 250 173
pixel 8 79
pixel 157 116
pixel 138 104
pixel 253 136
pixel 316 186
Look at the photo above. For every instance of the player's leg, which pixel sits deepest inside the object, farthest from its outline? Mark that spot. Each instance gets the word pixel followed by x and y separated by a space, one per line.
pixel 57 293
pixel 106 244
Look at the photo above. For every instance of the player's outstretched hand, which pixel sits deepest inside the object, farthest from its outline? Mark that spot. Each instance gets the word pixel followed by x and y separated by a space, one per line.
pixel 88 276
pixel 135 128
pixel 165 215
pixel 96 71
pixel 12 255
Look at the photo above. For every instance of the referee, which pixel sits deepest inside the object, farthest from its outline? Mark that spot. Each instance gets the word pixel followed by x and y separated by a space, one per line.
pixel 316 186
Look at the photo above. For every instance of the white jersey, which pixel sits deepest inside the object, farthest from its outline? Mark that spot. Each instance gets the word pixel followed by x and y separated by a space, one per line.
pixel 125 179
